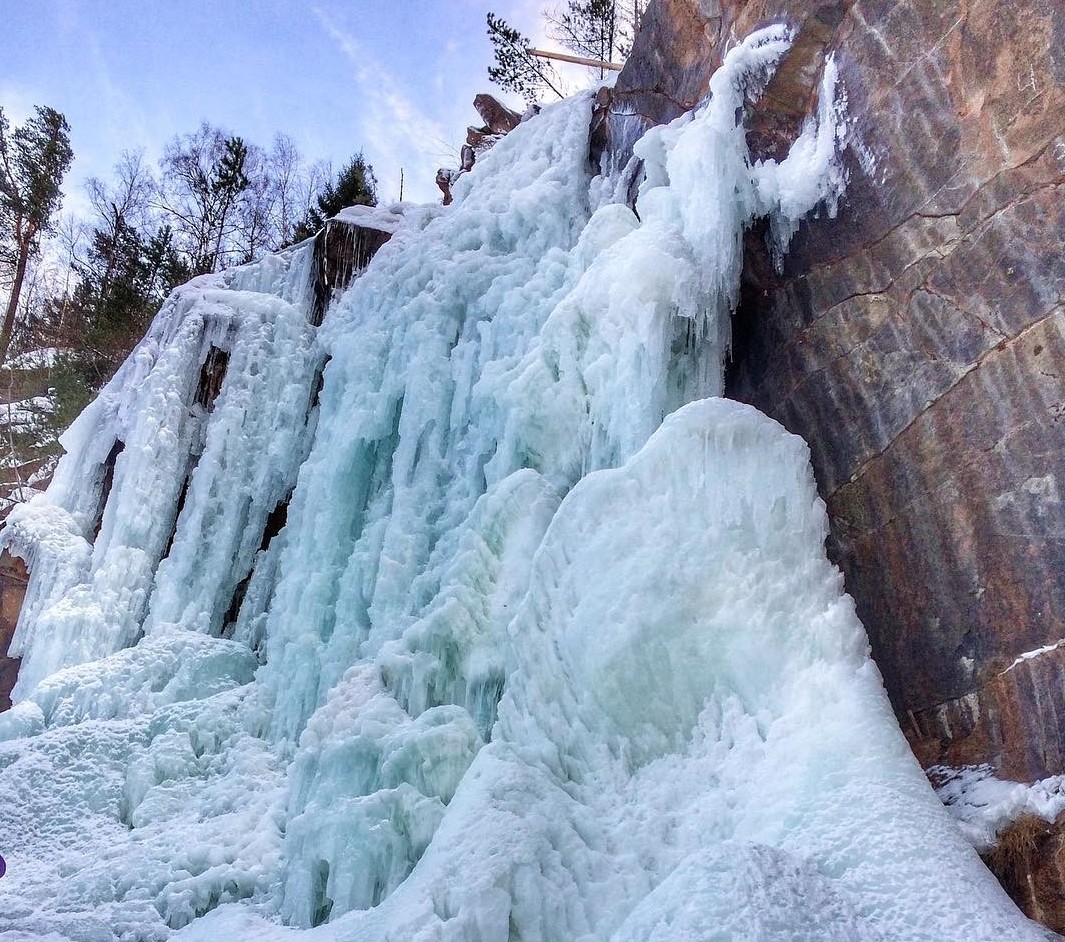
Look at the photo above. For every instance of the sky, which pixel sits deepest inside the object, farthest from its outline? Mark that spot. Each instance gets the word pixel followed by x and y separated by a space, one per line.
pixel 394 79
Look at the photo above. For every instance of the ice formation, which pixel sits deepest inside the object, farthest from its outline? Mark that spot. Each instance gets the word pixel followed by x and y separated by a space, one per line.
pixel 471 614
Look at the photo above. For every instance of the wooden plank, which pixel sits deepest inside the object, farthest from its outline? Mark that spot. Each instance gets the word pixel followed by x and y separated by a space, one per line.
pixel 576 60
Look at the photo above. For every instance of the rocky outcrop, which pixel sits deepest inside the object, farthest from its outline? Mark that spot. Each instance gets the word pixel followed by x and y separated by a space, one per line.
pixel 499 120
pixel 13 579
pixel 917 340
pixel 344 248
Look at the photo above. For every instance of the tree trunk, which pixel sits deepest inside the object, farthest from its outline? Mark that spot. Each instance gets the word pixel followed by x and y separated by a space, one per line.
pixel 12 303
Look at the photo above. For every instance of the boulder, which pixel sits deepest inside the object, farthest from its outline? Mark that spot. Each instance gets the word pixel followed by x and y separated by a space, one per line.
pixel 497 117
pixel 13 580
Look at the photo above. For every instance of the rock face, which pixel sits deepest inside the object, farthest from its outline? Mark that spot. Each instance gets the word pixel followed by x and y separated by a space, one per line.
pixel 917 341
pixel 1029 860
pixel 13 579
pixel 343 249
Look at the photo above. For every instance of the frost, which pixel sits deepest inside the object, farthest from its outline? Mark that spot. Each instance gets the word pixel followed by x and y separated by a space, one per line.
pixel 471 614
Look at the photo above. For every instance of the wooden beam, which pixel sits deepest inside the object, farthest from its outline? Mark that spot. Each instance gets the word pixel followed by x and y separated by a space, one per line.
pixel 576 60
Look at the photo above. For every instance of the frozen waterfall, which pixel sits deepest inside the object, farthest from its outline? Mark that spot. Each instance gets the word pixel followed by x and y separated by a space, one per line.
pixel 469 614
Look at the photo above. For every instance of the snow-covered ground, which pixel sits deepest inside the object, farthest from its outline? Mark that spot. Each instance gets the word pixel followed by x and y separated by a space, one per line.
pixel 983 804
pixel 548 647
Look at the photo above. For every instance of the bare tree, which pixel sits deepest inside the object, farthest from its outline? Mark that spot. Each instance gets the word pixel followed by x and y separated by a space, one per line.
pixel 290 198
pixel 122 208
pixel 203 178
pixel 603 30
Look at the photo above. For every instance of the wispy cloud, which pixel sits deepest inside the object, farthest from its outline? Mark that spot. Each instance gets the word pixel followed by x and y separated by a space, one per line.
pixel 397 133
pixel 17 101
pixel 347 43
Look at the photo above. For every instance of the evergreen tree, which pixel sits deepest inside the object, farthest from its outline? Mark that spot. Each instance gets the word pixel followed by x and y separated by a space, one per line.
pixel 125 266
pixel 356 185
pixel 588 28
pixel 204 175
pixel 602 30
pixel 33 160
pixel 517 69
pixel 228 181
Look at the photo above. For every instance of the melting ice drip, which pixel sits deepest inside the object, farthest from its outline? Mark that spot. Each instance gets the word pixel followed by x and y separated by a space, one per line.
pixel 547 647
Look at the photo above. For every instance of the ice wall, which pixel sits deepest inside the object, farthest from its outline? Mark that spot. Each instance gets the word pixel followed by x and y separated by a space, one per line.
pixel 469 615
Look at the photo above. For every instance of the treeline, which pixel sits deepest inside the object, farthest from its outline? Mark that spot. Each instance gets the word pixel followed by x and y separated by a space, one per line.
pixel 213 201
pixel 80 292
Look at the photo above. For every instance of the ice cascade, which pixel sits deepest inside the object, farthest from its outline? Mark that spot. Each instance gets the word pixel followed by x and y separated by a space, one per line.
pixel 469 614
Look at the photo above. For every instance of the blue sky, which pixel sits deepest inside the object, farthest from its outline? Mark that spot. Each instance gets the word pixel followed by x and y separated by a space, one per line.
pixel 393 78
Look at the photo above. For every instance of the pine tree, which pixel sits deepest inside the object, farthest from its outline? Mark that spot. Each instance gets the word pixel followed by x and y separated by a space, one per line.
pixel 602 30
pixel 228 181
pixel 125 267
pixel 588 28
pixel 33 160
pixel 356 185
pixel 517 69
pixel 204 179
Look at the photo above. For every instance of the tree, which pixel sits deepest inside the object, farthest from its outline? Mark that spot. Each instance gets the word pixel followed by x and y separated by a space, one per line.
pixel 122 210
pixel 599 29
pixel 517 69
pixel 588 28
pixel 125 266
pixel 630 16
pixel 227 182
pixel 294 187
pixel 356 185
pixel 203 178
pixel 33 161
pixel 602 30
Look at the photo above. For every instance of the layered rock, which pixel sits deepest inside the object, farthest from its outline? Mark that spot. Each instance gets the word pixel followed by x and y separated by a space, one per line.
pixel 917 341
pixel 343 249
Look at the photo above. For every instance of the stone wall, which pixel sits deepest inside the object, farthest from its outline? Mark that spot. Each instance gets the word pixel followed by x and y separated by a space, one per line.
pixel 917 341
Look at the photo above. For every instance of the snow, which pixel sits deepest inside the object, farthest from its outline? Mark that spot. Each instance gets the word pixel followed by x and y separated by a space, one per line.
pixel 385 219
pixel 548 647
pixel 25 412
pixel 1029 655
pixel 984 805
pixel 38 358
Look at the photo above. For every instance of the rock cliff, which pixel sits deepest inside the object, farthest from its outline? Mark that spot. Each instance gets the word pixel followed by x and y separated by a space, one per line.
pixel 917 340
